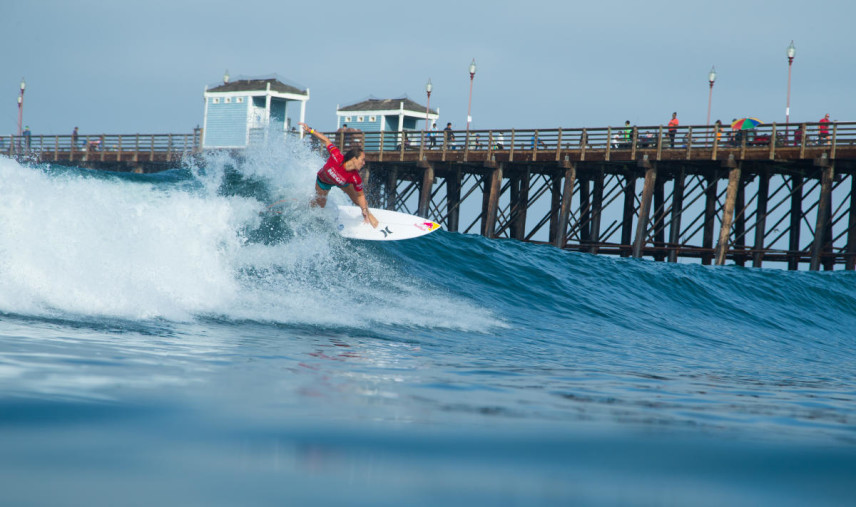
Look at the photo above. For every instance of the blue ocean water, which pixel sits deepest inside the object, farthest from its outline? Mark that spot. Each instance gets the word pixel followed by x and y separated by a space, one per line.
pixel 165 340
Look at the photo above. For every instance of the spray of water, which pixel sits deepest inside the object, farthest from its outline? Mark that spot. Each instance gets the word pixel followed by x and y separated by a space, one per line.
pixel 200 245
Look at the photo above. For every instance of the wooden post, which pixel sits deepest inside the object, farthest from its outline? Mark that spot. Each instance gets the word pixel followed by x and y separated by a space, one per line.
pixel 453 200
pixel 559 146
pixel 796 219
pixel 659 142
pixel 56 148
pixel 629 209
pixel 689 143
pixel 644 209
pixel 137 149
pixel 677 212
pixel 608 143
pixel 489 216
pixel 773 142
pixel 761 218
pixel 535 139
pixel 850 255
pixel 519 206
pixel 803 140
pixel 727 215
pixel 715 141
pixel 740 224
pixel 583 144
pixel 391 188
pixel 823 211
pixel 511 153
pixel 425 190
pixel 659 219
pixel 561 233
pixel 709 216
pixel 584 214
pixel 597 208
pixel 152 152
pixel 380 149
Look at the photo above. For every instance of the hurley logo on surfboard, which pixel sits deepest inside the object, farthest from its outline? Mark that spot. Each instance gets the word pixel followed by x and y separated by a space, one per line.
pixel 386 232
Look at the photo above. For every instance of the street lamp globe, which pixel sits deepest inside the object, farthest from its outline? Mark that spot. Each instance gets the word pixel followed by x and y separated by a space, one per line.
pixel 712 75
pixel 23 84
pixel 473 68
pixel 428 87
pixel 226 76
pixel 792 51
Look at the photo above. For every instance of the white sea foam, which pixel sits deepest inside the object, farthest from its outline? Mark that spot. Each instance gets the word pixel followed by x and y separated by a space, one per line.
pixel 78 244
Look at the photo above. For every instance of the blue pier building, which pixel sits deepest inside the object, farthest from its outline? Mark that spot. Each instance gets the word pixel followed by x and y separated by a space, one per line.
pixel 399 115
pixel 246 111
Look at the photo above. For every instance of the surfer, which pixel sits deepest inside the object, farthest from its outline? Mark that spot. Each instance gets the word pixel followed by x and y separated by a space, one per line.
pixel 341 171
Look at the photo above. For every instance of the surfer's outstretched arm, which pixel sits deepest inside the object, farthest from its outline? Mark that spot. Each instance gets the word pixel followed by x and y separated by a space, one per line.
pixel 359 199
pixel 321 137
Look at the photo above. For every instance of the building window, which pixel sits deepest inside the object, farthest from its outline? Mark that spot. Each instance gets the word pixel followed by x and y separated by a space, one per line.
pixel 372 119
pixel 239 100
pixel 359 119
pixel 215 100
pixel 347 119
pixel 227 100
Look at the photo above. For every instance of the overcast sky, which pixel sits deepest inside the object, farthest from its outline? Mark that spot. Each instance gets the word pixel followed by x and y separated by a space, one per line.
pixel 128 66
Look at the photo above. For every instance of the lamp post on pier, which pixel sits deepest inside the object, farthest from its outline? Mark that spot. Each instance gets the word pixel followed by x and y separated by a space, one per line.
pixel 791 52
pixel 21 106
pixel 428 88
pixel 472 70
pixel 711 77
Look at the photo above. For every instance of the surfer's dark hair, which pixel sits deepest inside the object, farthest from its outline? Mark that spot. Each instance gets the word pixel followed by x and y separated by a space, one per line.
pixel 353 153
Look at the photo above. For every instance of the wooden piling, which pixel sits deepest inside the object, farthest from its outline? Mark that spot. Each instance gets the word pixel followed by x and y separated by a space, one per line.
pixel 761 219
pixel 644 210
pixel 727 215
pixel 823 209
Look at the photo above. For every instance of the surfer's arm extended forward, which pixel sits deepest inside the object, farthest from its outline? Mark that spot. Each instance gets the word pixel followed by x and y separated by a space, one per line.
pixel 321 137
pixel 359 199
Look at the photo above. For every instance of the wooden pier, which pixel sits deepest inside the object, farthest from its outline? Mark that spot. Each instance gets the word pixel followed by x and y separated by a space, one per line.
pixel 783 194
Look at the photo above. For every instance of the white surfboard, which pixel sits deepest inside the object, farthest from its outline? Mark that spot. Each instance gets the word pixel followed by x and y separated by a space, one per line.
pixel 392 225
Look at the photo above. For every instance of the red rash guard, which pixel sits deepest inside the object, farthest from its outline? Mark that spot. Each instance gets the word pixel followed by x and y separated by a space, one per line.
pixel 334 172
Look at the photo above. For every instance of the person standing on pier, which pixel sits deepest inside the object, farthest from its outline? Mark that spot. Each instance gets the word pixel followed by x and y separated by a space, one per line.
pixel 824 129
pixel 74 137
pixel 673 129
pixel 341 171
pixel 27 135
pixel 448 136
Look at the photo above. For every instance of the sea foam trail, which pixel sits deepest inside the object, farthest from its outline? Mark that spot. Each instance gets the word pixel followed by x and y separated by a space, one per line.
pixel 201 245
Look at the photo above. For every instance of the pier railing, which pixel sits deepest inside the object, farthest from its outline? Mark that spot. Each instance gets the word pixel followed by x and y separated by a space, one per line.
pixel 103 147
pixel 693 142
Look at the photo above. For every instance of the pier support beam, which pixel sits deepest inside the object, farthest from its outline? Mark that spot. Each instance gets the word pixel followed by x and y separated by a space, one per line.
pixel 561 233
pixel 794 253
pixel 494 186
pixel 584 214
pixel 659 219
pixel 425 189
pixel 644 208
pixel 677 211
pixel 453 200
pixel 850 256
pixel 391 188
pixel 519 204
pixel 823 217
pixel 627 219
pixel 728 215
pixel 761 218
pixel 597 207
pixel 709 218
